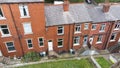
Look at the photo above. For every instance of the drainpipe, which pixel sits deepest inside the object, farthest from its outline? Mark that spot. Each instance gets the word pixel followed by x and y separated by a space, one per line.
pixel 14 22
pixel 69 38
pixel 73 36
pixel 109 35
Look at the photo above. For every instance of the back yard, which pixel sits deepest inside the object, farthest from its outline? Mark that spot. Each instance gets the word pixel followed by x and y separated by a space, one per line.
pixel 103 62
pixel 82 63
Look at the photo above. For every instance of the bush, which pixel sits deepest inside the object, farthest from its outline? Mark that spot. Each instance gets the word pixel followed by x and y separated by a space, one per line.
pixel 31 56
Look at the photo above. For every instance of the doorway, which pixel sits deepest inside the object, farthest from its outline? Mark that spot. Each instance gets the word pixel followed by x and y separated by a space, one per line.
pixel 50 45
pixel 85 40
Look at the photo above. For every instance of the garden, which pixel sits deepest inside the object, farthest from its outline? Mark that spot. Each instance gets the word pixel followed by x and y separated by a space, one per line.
pixel 78 63
pixel 103 62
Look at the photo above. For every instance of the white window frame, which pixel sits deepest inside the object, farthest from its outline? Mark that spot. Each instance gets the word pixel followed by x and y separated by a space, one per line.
pixel 40 42
pixel 117 26
pixel 7 46
pixel 2 18
pixel 30 27
pixel 77 26
pixel 21 10
pixel 77 39
pixel 102 27
pixel 29 43
pixel 86 26
pixel 62 42
pixel 94 25
pixel 99 36
pixel 119 40
pixel 115 34
pixel 60 29
pixel 5 35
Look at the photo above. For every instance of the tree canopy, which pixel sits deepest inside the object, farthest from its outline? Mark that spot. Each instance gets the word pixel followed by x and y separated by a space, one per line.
pixel 74 1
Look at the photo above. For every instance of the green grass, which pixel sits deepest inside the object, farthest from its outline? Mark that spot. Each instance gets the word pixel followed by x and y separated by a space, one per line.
pixel 103 63
pixel 83 63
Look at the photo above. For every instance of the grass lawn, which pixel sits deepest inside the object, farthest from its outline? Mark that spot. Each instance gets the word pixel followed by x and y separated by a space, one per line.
pixel 83 63
pixel 103 62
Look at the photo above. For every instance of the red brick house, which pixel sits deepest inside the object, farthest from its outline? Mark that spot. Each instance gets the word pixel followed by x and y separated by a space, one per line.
pixel 32 26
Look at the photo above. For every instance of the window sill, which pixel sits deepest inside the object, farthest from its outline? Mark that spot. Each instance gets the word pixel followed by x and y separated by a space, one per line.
pixel 60 34
pixel 6 35
pixel 112 40
pixel 30 48
pixel 77 32
pixel 2 18
pixel 102 31
pixel 41 46
pixel 93 29
pixel 76 44
pixel 11 51
pixel 98 42
pixel 28 33
pixel 116 29
pixel 25 17
pixel 60 46
pixel 86 29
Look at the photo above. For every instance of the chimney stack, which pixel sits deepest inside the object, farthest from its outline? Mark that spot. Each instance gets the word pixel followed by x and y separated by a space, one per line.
pixel 66 5
pixel 106 6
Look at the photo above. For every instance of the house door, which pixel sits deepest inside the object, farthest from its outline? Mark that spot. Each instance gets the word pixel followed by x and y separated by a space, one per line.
pixel 85 40
pixel 50 45
pixel 91 39
pixel 1 53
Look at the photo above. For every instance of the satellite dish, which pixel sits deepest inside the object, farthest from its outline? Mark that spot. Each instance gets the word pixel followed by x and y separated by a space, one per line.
pixel 88 1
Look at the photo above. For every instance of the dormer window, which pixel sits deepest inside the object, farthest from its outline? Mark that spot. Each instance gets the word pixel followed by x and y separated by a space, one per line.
pixel 24 11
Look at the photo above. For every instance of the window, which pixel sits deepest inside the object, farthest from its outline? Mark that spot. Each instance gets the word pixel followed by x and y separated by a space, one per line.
pixel 86 25
pixel 41 41
pixel 102 28
pixel 93 26
pixel 60 42
pixel 24 10
pixel 1 13
pixel 4 30
pixel 113 36
pixel 99 40
pixel 117 26
pixel 76 40
pixel 77 28
pixel 29 43
pixel 60 30
pixel 10 46
pixel 27 28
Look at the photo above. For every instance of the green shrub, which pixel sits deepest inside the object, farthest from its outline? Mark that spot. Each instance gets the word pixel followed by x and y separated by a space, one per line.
pixel 31 56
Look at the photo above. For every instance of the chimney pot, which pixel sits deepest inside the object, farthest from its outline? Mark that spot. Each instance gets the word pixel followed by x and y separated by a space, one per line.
pixel 66 5
pixel 106 6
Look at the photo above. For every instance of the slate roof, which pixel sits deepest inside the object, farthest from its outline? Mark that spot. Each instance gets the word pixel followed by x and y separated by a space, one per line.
pixel 55 15
pixel 115 11
pixel 19 1
pixel 80 13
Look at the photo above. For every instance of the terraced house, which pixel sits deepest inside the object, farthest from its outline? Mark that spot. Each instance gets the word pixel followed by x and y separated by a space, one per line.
pixel 32 25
